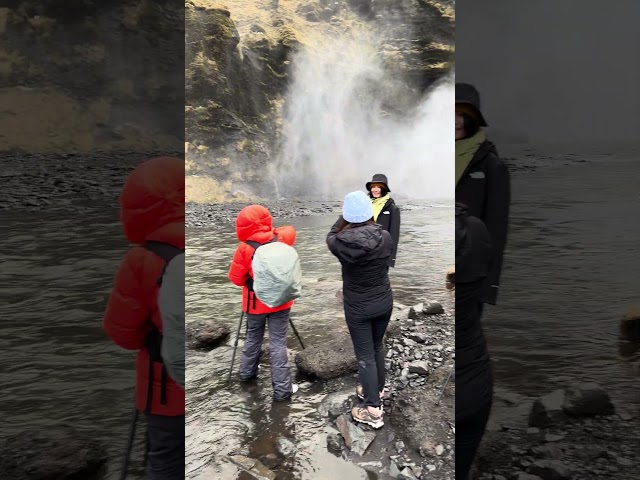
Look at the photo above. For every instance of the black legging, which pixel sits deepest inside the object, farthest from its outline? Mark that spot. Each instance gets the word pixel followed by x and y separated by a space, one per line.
pixel 367 335
pixel 469 432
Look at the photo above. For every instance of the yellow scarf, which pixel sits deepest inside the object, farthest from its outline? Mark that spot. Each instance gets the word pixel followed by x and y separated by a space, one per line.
pixel 378 204
pixel 465 150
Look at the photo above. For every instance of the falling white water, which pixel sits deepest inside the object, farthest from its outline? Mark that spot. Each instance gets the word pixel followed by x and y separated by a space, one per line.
pixel 337 135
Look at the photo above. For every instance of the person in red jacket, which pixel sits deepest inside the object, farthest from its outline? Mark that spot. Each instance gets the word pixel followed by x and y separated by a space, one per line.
pixel 152 217
pixel 254 224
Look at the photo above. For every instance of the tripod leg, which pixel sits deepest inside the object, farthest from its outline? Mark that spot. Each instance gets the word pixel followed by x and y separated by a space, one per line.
pixel 293 327
pixel 445 385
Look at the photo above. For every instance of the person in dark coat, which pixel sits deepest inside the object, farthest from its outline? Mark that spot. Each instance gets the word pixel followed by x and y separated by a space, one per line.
pixel 474 379
pixel 363 249
pixel 482 180
pixel 385 211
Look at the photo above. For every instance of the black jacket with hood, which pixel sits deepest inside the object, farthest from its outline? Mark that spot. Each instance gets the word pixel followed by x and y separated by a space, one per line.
pixel 474 380
pixel 363 250
pixel 389 219
pixel 484 188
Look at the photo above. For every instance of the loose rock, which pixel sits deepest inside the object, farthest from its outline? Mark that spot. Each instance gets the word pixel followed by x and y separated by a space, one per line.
pixel 206 334
pixel 333 358
pixel 335 442
pixel 587 399
pixel 285 446
pixel 433 308
pixel 407 474
pixel 55 453
pixel 356 439
pixel 335 404
pixel 420 367
pixel 547 410
pixel 550 470
pixel 253 467
pixel 630 325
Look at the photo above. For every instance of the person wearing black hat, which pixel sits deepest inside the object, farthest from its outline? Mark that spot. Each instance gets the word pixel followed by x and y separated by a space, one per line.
pixel 482 181
pixel 385 211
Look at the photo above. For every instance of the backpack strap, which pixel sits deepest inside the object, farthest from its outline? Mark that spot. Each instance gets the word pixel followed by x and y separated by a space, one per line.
pixel 153 342
pixel 166 251
pixel 255 246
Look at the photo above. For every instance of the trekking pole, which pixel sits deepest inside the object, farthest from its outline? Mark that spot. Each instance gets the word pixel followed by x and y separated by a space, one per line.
pixel 445 384
pixel 293 327
pixel 235 347
pixel 127 454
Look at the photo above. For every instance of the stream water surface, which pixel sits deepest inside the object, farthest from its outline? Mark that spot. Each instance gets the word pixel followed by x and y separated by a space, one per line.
pixel 223 419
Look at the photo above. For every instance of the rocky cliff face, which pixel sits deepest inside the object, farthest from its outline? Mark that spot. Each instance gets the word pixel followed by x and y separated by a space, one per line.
pixel 238 58
pixel 82 75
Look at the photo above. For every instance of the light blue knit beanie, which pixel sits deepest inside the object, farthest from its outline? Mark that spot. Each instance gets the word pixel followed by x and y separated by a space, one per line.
pixel 357 207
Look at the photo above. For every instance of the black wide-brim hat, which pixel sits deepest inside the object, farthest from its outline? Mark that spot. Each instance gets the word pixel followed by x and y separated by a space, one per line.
pixel 378 178
pixel 468 94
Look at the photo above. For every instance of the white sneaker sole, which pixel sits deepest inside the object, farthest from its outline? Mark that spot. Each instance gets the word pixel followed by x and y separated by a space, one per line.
pixel 375 425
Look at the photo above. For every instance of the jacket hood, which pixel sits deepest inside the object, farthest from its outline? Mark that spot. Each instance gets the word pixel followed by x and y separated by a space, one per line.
pixel 361 243
pixel 152 201
pixel 253 223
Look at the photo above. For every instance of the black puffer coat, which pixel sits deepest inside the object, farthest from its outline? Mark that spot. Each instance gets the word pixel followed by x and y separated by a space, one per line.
pixel 363 250
pixel 389 219
pixel 485 189
pixel 474 380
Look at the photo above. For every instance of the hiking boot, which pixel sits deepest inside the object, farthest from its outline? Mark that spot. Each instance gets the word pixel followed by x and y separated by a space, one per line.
pixel 360 393
pixel 363 415
pixel 294 389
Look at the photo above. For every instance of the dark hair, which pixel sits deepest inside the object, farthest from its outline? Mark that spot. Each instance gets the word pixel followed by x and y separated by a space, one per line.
pixel 471 125
pixel 383 192
pixel 347 225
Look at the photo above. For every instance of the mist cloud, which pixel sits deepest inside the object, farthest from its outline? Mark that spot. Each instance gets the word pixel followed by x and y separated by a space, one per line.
pixel 339 131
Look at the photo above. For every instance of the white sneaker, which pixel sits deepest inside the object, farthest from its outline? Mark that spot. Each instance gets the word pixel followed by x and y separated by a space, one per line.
pixel 294 388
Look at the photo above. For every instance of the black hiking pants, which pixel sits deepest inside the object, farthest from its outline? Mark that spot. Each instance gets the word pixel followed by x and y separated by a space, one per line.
pixel 367 335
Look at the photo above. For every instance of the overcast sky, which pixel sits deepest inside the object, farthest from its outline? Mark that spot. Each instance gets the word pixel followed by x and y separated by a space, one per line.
pixel 555 71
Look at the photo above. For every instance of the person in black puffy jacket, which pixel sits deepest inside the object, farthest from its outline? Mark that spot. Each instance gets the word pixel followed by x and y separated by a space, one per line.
pixel 474 379
pixel 482 181
pixel 364 249
pixel 385 211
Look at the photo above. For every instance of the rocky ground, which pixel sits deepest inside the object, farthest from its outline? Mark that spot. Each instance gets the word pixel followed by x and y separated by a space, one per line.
pixel 60 452
pixel 419 443
pixel 569 434
pixel 203 215
pixel 36 182
pixel 211 214
pixel 418 438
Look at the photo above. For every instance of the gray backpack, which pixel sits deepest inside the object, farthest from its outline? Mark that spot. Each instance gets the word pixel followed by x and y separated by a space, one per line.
pixel 277 275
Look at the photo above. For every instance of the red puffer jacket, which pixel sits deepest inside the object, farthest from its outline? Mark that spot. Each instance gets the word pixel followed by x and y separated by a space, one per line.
pixel 151 209
pixel 254 223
